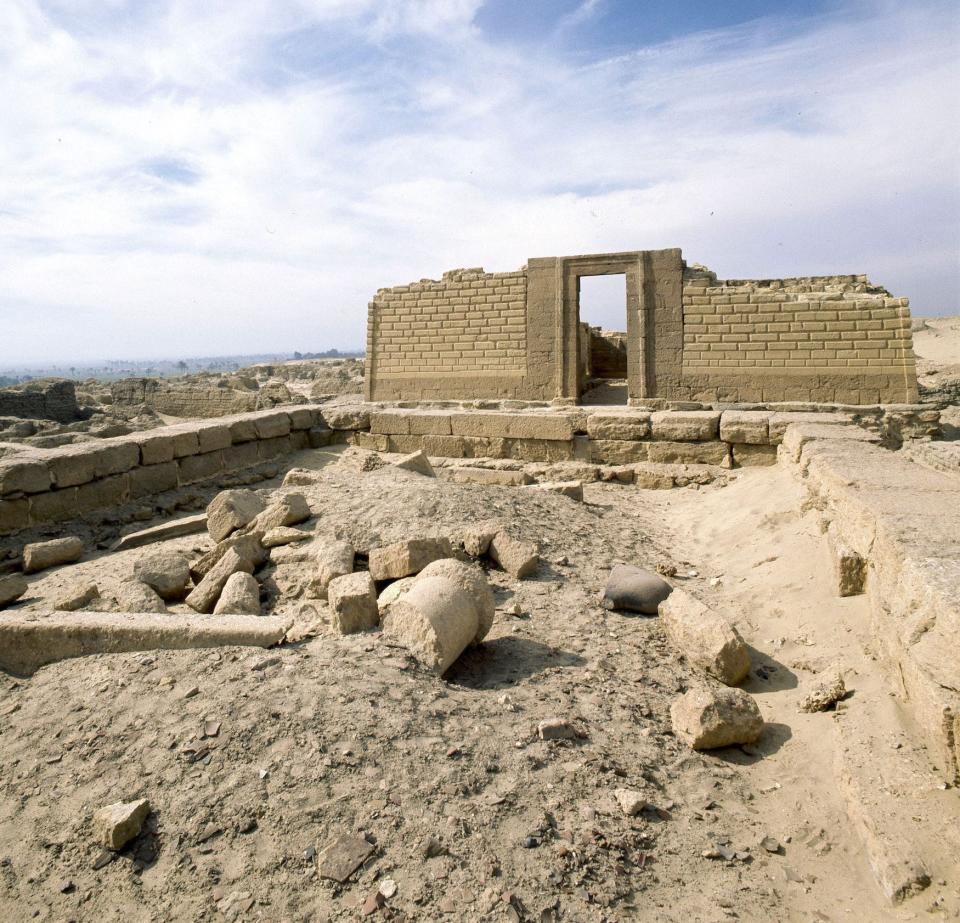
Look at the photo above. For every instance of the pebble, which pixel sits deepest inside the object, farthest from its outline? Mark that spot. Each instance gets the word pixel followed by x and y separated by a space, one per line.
pixel 388 887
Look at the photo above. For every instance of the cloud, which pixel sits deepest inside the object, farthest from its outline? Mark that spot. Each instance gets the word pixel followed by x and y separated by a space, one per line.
pixel 194 178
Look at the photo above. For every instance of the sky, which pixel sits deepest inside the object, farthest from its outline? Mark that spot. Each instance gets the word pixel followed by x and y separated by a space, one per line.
pixel 241 176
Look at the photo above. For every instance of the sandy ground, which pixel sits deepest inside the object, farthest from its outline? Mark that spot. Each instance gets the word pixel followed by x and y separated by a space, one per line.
pixel 338 735
pixel 938 341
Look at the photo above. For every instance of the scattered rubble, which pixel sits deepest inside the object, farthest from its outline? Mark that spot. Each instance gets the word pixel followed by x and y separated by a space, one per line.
pixel 240 596
pixel 353 603
pixel 165 572
pixel 231 510
pixel 519 559
pixel 825 693
pixel 401 559
pixel 116 824
pixel 39 556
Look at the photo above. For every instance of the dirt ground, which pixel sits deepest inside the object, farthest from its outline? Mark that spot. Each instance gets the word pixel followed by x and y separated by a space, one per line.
pixel 344 735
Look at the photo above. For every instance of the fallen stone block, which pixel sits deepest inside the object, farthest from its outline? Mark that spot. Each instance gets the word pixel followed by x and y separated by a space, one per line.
pixel 635 590
pixel 401 559
pixel 707 639
pixel 283 535
pixel 288 510
pixel 486 476
pixel 39 556
pixel 166 572
pixel 240 596
pixel 117 824
pixel 709 718
pixel 250 547
pixel 519 559
pixel 334 559
pixel 849 568
pixel 205 595
pixel 134 596
pixel 418 463
pixel 29 640
pixel 448 607
pixel 300 477
pixel 12 588
pixel 187 525
pixel 76 597
pixel 476 539
pixel 571 489
pixel 353 603
pixel 231 510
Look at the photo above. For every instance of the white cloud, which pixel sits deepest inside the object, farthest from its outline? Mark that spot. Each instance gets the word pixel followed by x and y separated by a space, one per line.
pixel 241 177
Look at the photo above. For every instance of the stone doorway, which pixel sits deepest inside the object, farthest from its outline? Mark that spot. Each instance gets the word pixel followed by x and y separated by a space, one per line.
pixel 602 339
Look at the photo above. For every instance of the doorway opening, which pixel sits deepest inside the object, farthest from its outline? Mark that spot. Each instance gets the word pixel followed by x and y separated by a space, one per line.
pixel 602 338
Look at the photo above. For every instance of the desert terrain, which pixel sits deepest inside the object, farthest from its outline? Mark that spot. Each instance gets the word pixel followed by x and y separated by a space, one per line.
pixel 263 766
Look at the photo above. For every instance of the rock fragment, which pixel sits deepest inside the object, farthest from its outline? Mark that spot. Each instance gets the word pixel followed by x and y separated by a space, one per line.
pixel 166 572
pixel 288 510
pixel 417 462
pixel 353 603
pixel 571 489
pixel 849 568
pixel 342 857
pixel 240 596
pixel 11 589
pixel 401 559
pixel 334 559
pixel 134 596
pixel 826 693
pixel 116 824
pixel 249 547
pixel 519 559
pixel 392 592
pixel 231 510
pixel 556 729
pixel 709 718
pixel 476 539
pixel 76 597
pixel 631 802
pixel 205 595
pixel 283 535
pixel 39 556
pixel 635 590
pixel 707 639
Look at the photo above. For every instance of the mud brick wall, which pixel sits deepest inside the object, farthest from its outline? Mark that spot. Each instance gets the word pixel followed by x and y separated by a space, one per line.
pixel 464 336
pixel 41 400
pixel 42 486
pixel 824 338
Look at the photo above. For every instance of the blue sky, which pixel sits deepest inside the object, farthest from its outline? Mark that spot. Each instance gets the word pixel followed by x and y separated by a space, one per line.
pixel 179 178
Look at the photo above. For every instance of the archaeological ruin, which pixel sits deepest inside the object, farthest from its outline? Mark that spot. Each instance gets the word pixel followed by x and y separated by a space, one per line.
pixel 688 336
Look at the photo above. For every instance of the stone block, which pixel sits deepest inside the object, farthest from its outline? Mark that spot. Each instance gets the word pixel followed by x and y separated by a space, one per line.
pixel 621 426
pixel 353 603
pixel 706 719
pixel 519 559
pixel 401 559
pixel 299 440
pixel 185 440
pixel 618 451
pixel 231 510
pixel 156 447
pixel 240 456
pixel 334 559
pixel 14 515
pixel 103 493
pixel 390 422
pixel 54 506
pixel 116 824
pixel 781 420
pixel 698 453
pixel 749 427
pixel 849 568
pixel 12 588
pixel 195 468
pixel 135 596
pixel 148 480
pixel 417 463
pixel 72 465
pixel 288 510
pixel 512 425
pixel 373 442
pixel 274 447
pixel 571 489
pixel 404 444
pixel 240 596
pixel 685 425
pixel 319 436
pixel 76 597
pixel 205 595
pixel 187 525
pixel 429 423
pixel 272 425
pixel 444 446
pixel 707 639
pixel 540 450
pixel 213 436
pixel 166 572
pixel 486 476
pixel 39 556
pixel 350 417
pixel 242 429
pixel 304 418
pixel 752 455
pixel 24 475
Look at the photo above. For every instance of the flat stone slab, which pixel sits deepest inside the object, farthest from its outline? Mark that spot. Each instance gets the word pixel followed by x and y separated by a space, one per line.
pixel 187 525
pixel 30 640
pixel 341 858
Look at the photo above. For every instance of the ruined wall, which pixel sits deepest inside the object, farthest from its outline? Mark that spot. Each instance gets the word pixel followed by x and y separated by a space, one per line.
pixel 53 399
pixel 823 338
pixel 464 336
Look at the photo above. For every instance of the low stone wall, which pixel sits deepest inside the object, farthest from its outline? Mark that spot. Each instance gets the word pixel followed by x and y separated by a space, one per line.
pixel 45 486
pixel 901 518
pixel 41 400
